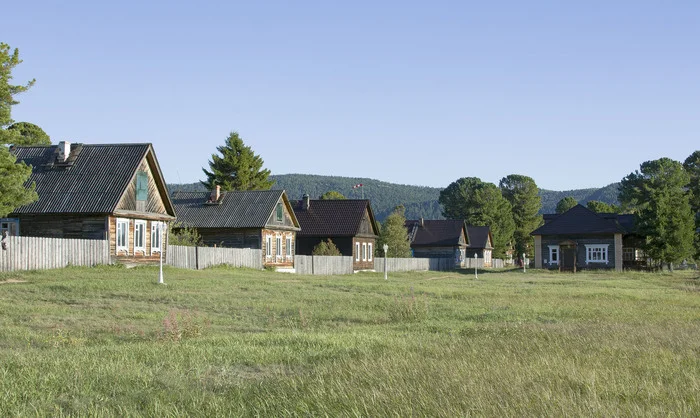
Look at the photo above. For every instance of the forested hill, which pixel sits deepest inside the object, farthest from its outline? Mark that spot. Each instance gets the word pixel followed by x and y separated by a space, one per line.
pixel 419 201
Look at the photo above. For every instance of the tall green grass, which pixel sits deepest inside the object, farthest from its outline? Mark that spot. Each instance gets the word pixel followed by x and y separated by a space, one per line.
pixel 236 342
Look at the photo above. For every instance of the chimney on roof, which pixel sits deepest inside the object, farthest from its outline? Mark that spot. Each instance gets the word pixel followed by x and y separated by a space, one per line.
pixel 307 202
pixel 215 194
pixel 63 151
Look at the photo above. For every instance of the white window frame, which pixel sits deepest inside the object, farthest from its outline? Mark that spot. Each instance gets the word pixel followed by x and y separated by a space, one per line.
pixel 592 249
pixel 370 254
pixel 123 225
pixel 364 251
pixel 140 224
pixel 357 251
pixel 268 246
pixel 288 249
pixel 156 236
pixel 278 243
pixel 554 249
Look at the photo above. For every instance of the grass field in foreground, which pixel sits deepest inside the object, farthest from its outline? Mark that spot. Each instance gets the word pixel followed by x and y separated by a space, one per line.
pixel 236 342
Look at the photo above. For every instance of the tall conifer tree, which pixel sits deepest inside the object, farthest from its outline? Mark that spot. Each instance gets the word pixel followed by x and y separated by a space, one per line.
pixel 236 168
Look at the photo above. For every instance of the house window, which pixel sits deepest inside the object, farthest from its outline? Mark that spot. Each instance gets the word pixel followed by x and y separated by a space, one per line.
pixel 156 235
pixel 141 186
pixel 278 250
pixel 268 246
pixel 280 212
pixel 553 254
pixel 10 225
pixel 123 235
pixel 357 251
pixel 289 247
pixel 628 254
pixel 364 251
pixel 140 236
pixel 597 253
pixel 370 253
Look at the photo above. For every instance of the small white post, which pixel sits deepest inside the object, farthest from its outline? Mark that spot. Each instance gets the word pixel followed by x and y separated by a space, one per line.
pixel 162 247
pixel 476 268
pixel 386 248
pixel 524 262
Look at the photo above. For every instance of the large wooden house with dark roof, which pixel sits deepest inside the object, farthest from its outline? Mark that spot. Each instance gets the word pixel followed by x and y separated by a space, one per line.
pixel 112 191
pixel 582 239
pixel 349 223
pixel 443 238
pixel 257 219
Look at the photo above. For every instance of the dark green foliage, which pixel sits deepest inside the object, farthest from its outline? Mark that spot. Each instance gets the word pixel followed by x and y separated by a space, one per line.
pixel 607 194
pixel 692 167
pixel 180 234
pixel 333 195
pixel 480 204
pixel 522 193
pixel 30 134
pixel 326 247
pixel 657 194
pixel 394 234
pixel 602 207
pixel 13 175
pixel 565 204
pixel 237 168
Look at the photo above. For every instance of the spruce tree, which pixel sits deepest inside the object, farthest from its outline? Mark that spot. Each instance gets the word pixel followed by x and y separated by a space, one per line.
pixel 236 168
pixel 394 234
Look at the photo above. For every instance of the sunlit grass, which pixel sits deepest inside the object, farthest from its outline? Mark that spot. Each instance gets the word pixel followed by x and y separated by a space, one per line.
pixel 110 341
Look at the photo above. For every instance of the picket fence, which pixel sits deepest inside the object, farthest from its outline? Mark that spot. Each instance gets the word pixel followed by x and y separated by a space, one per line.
pixel 496 263
pixel 197 258
pixel 35 253
pixel 323 265
pixel 414 264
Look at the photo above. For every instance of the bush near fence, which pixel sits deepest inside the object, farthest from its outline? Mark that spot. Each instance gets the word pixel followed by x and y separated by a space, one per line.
pixel 36 253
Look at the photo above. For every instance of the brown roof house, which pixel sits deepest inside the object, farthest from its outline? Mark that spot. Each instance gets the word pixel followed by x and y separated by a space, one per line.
pixel 582 239
pixel 349 223
pixel 444 238
pixel 112 191
pixel 258 219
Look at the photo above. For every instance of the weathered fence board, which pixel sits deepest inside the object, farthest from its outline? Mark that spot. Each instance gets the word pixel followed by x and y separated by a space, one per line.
pixel 35 253
pixel 414 264
pixel 197 258
pixel 323 265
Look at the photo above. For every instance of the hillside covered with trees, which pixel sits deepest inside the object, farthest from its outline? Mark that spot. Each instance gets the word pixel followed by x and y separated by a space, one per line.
pixel 419 201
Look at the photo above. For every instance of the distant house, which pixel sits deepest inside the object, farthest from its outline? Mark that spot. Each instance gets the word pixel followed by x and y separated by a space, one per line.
pixel 480 243
pixel 349 223
pixel 258 219
pixel 582 239
pixel 112 192
pixel 445 238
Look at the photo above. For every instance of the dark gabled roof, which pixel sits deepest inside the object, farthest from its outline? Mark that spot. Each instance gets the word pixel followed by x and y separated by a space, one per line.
pixel 435 233
pixel 236 209
pixel 92 180
pixel 580 220
pixel 333 217
pixel 479 236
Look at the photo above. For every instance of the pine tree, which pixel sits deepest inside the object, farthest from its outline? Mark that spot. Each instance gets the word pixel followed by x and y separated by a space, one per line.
pixel 565 204
pixel 327 248
pixel 237 168
pixel 692 167
pixel 523 195
pixel 394 234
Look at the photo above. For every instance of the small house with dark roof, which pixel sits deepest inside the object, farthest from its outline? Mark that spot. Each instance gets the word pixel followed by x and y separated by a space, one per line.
pixel 582 239
pixel 444 238
pixel 349 223
pixel 112 191
pixel 480 243
pixel 257 219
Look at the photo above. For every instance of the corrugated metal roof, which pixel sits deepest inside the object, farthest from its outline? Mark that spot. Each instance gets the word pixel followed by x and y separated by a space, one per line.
pixel 580 220
pixel 237 209
pixel 479 236
pixel 93 183
pixel 332 218
pixel 436 232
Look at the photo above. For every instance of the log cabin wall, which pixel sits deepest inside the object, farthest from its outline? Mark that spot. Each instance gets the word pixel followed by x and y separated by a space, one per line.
pixel 148 255
pixel 63 226
pixel 282 240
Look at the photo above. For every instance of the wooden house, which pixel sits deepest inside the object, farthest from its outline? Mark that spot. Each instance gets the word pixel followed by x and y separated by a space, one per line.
pixel 258 219
pixel 112 191
pixel 582 239
pixel 349 223
pixel 444 238
pixel 480 243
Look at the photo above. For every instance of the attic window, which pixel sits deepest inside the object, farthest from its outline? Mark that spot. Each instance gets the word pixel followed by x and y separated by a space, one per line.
pixel 141 186
pixel 280 213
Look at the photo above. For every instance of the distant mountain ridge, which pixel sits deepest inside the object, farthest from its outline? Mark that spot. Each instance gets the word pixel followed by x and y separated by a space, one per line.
pixel 419 201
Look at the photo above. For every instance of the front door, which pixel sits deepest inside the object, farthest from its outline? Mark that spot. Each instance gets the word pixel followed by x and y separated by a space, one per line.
pixel 568 257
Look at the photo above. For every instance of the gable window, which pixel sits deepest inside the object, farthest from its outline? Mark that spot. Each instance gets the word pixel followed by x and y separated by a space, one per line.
pixel 268 246
pixel 597 253
pixel 280 212
pixel 9 225
pixel 357 251
pixel 156 235
pixel 278 250
pixel 370 253
pixel 288 251
pixel 141 186
pixel 140 236
pixel 553 254
pixel 123 235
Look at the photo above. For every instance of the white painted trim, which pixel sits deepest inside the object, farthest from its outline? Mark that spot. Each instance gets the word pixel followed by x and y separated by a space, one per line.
pixel 370 253
pixel 357 251
pixel 125 248
pixel 141 248
pixel 558 250
pixel 606 253
pixel 156 231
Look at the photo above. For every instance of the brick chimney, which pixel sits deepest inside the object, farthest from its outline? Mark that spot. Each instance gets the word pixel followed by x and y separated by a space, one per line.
pixel 215 194
pixel 63 151
pixel 307 202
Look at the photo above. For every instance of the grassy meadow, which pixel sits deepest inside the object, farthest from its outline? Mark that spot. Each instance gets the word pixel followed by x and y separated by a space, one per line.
pixel 236 342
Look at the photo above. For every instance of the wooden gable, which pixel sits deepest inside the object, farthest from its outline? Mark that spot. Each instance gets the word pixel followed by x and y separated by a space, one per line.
pixel 288 219
pixel 367 226
pixel 146 192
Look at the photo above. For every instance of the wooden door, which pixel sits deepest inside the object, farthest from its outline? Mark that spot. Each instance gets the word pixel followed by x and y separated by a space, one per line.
pixel 568 259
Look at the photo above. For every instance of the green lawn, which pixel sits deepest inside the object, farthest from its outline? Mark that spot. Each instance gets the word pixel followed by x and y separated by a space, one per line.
pixel 236 342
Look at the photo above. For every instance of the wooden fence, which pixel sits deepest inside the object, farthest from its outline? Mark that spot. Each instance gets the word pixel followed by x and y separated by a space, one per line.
pixel 496 263
pixel 197 258
pixel 323 265
pixel 414 264
pixel 34 253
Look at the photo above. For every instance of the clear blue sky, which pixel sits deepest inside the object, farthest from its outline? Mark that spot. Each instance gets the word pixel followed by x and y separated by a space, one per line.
pixel 573 94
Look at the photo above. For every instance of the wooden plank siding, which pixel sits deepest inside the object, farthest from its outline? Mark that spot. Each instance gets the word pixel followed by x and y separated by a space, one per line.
pixel 146 257
pixel 72 226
